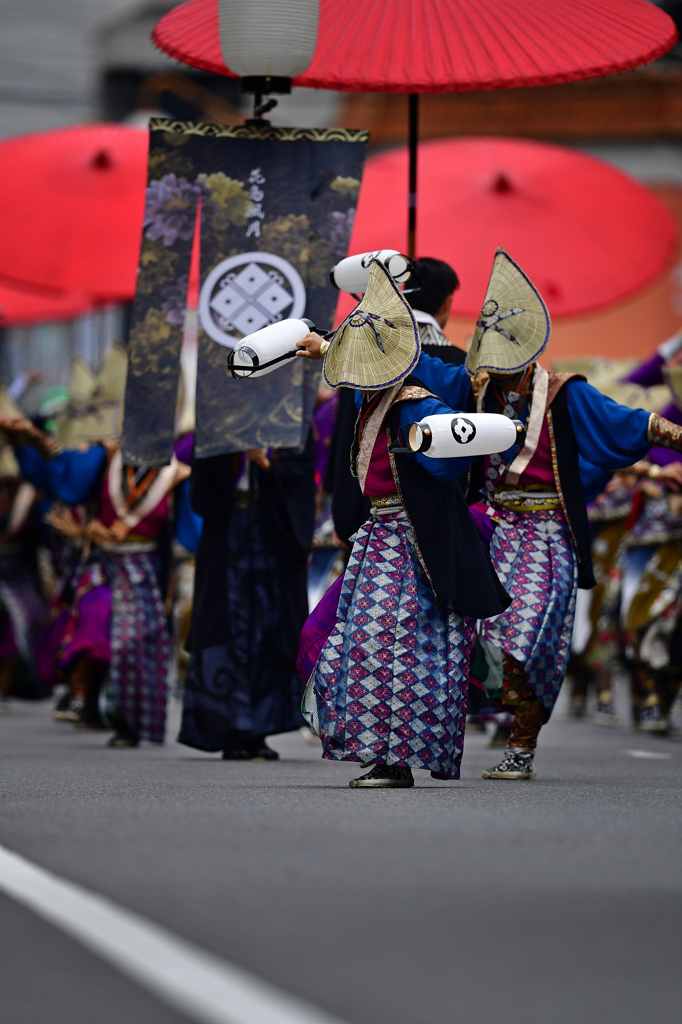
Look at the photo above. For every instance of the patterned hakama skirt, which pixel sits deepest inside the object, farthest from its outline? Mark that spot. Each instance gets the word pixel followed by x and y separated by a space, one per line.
pixel 392 679
pixel 533 556
pixel 118 618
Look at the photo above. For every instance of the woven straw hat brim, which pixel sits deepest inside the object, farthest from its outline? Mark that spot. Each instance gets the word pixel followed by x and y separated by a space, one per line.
pixel 672 375
pixel 96 408
pixel 513 306
pixel 354 359
pixel 8 463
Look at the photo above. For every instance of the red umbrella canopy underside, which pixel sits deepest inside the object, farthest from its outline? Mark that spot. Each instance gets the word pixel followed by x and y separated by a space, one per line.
pixel 587 235
pixel 71 210
pixel 20 307
pixel 458 46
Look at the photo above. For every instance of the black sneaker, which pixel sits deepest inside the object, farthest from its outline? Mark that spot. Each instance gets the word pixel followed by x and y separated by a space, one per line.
pixel 577 707
pixel 73 712
pixel 120 740
pixel 516 764
pixel 260 751
pixel 60 706
pixel 605 714
pixel 651 720
pixel 383 776
pixel 237 753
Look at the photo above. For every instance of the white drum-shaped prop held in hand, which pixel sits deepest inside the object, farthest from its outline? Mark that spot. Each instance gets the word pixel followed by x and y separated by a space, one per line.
pixel 263 351
pixel 463 435
pixel 352 274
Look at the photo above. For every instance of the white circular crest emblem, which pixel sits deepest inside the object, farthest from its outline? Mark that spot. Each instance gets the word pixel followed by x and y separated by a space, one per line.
pixel 463 429
pixel 247 292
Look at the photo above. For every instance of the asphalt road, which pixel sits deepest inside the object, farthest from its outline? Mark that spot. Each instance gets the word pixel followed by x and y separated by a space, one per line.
pixel 551 901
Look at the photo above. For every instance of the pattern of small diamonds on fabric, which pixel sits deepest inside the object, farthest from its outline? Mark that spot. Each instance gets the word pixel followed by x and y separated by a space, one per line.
pixel 533 556
pixel 392 679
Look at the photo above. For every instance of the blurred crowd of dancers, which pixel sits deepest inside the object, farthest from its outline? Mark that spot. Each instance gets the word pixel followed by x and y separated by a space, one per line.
pixel 102 563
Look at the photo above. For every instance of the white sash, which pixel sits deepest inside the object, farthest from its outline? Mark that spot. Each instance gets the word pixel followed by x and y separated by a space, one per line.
pixel 538 408
pixel 21 506
pixel 157 491
pixel 371 431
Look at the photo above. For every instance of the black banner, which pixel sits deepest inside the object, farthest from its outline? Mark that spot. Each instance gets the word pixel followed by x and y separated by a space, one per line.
pixel 276 208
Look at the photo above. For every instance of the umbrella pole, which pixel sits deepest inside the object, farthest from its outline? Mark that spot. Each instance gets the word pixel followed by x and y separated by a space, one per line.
pixel 413 119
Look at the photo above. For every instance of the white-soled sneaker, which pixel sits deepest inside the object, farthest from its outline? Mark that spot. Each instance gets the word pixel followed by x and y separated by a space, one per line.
pixel 516 764
pixel 605 714
pixel 651 720
pixel 383 776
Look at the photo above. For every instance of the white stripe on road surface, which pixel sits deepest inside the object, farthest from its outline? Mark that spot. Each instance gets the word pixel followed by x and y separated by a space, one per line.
pixel 200 985
pixel 648 753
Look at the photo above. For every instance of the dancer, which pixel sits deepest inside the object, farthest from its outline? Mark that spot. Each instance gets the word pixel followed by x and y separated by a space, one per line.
pixel 608 515
pixel 250 600
pixel 116 636
pixel 541 543
pixel 429 290
pixel 641 614
pixel 22 605
pixel 392 678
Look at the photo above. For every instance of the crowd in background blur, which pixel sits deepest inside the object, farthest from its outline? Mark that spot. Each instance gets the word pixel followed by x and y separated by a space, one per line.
pixel 97 561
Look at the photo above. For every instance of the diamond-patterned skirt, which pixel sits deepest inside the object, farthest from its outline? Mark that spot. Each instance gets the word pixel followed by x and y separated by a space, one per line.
pixel 393 677
pixel 533 556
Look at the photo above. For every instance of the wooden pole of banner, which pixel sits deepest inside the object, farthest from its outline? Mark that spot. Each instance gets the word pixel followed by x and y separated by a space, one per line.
pixel 413 139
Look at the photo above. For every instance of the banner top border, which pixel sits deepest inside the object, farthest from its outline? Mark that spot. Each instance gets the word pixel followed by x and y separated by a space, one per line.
pixel 245 131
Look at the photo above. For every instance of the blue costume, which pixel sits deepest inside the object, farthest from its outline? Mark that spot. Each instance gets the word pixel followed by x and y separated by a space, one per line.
pixel 541 545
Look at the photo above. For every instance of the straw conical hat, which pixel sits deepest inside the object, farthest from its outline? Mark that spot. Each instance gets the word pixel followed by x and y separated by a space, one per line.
pixel 378 343
pixel 111 379
pixel 82 384
pixel 96 403
pixel 673 378
pixel 514 325
pixel 8 463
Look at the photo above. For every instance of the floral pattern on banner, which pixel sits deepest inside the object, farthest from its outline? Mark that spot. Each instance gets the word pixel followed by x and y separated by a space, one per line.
pixel 287 194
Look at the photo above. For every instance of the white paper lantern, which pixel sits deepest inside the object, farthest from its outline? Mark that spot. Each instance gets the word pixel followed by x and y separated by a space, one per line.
pixel 268 349
pixel 444 436
pixel 274 38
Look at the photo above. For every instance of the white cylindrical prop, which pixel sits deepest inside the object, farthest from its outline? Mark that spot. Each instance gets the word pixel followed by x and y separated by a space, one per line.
pixel 265 350
pixel 352 274
pixel 268 37
pixel 462 435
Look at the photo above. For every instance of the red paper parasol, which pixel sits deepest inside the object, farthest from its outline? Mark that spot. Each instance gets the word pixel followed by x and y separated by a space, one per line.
pixel 71 210
pixel 587 234
pixel 433 46
pixel 416 46
pixel 19 307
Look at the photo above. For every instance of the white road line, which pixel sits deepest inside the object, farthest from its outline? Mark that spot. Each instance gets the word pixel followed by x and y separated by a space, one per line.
pixel 200 985
pixel 650 754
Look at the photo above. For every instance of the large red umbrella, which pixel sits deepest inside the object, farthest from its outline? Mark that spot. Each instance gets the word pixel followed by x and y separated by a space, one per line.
pixel 455 46
pixel 587 234
pixel 20 307
pixel 71 210
pixel 415 46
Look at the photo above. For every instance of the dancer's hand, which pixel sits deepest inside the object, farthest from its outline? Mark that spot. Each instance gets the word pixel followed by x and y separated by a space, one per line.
pixel 17 428
pixel 97 532
pixel 62 519
pixel 311 346
pixel 258 456
pixel 671 476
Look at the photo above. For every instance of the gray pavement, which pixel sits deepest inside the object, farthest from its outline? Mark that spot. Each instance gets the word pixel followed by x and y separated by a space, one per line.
pixel 551 901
